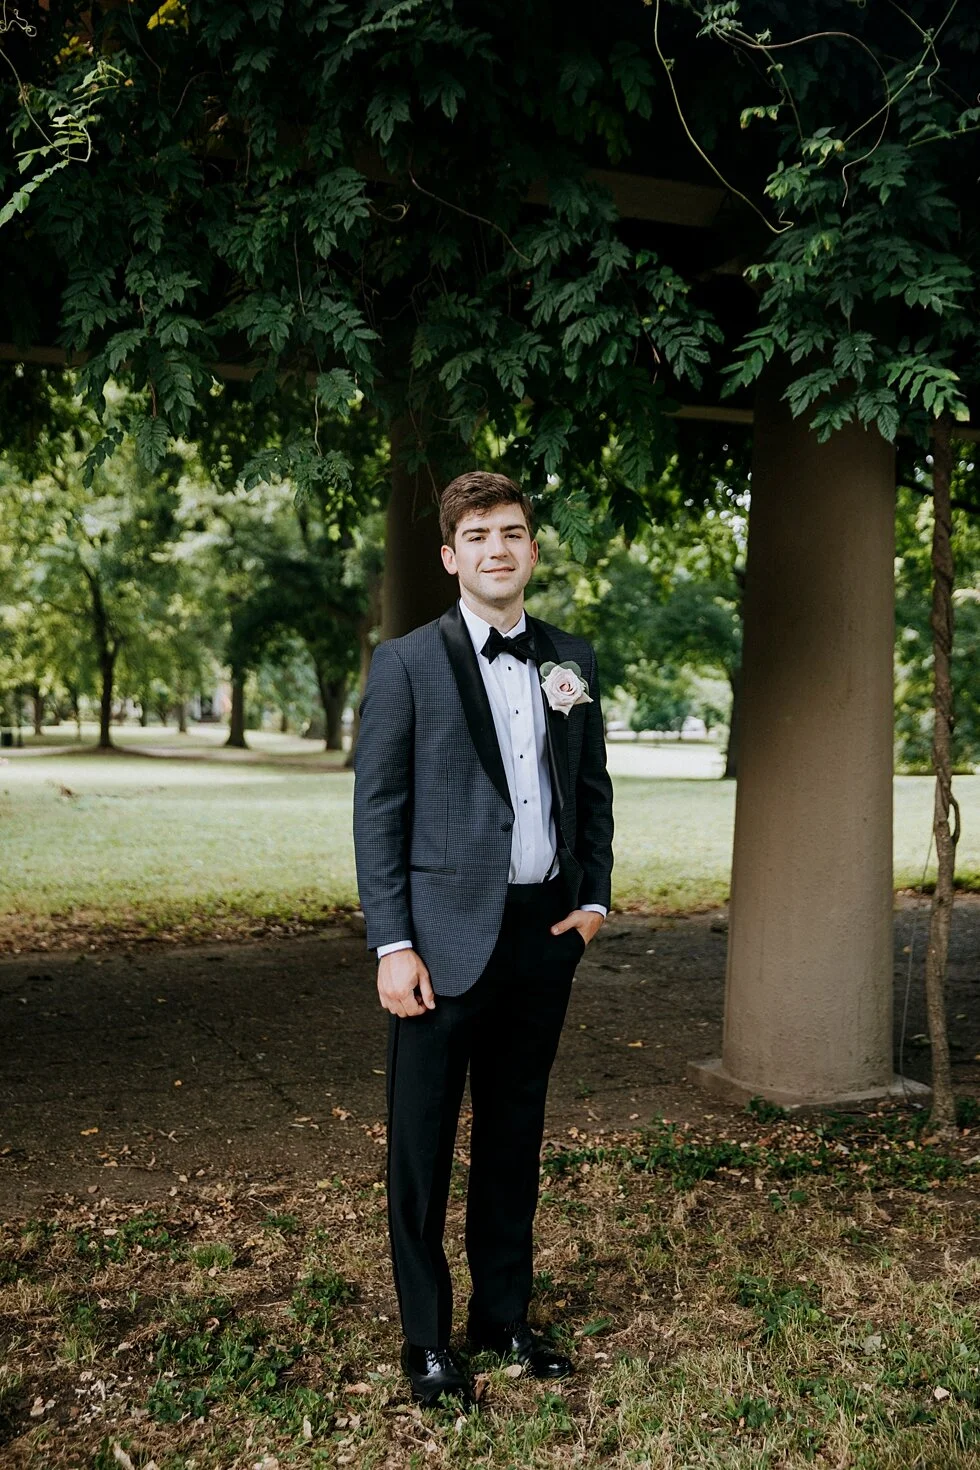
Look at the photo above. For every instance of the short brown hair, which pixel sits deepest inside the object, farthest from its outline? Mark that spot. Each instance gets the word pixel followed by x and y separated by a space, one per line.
pixel 475 491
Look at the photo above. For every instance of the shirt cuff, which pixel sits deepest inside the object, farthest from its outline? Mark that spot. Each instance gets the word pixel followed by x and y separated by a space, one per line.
pixel 384 949
pixel 588 908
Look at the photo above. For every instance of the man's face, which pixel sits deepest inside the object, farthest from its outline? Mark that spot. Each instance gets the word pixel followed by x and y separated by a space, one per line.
pixel 493 555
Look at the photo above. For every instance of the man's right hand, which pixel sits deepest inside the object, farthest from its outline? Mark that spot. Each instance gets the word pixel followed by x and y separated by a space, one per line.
pixel 404 986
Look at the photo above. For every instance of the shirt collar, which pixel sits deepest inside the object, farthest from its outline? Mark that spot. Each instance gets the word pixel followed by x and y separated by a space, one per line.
pixel 479 630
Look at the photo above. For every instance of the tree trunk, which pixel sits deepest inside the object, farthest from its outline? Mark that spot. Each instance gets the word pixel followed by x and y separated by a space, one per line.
pixel 316 726
pixel 369 622
pixel 38 705
pixel 333 709
pixel 144 713
pixel 236 732
pixel 333 696
pixel 731 753
pixel 108 645
pixel 107 669
pixel 416 587
pixel 943 1118
pixel 75 699
pixel 283 721
pixel 182 716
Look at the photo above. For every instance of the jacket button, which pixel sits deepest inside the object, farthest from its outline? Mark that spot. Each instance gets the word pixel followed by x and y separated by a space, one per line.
pixel 506 826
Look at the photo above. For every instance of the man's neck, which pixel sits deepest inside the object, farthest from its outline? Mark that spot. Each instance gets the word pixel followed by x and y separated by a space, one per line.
pixel 501 618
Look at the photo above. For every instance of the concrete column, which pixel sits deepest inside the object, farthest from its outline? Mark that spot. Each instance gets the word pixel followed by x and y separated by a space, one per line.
pixel 808 1004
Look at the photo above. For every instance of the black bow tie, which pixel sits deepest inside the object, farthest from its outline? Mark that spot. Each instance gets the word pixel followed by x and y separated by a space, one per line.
pixel 521 647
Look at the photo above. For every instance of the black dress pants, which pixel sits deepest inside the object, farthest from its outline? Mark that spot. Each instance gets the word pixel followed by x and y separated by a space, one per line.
pixel 506 1030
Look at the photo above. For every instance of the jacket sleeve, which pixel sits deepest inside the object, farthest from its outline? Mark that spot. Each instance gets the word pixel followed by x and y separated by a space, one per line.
pixel 594 804
pixel 383 798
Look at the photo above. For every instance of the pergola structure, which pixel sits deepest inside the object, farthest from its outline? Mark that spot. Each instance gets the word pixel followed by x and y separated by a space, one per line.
pixel 808 1014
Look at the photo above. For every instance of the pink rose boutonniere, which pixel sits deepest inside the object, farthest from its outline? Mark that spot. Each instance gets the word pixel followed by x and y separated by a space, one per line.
pixel 564 686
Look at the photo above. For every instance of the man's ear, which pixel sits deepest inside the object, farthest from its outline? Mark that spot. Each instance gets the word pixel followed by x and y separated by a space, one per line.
pixel 534 552
pixel 448 559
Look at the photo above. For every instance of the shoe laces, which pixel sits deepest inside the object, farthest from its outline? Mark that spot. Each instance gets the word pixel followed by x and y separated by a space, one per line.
pixel 443 1358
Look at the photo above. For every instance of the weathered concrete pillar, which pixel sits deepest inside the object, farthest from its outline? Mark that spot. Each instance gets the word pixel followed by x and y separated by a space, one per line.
pixel 808 1004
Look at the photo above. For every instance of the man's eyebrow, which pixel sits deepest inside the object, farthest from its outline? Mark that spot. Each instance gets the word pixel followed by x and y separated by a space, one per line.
pixel 477 530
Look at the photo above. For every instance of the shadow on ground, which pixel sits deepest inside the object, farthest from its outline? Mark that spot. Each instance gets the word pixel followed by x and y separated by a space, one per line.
pixel 143 1071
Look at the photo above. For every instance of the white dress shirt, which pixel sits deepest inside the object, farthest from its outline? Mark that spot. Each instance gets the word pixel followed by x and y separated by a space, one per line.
pixel 513 690
pixel 518 718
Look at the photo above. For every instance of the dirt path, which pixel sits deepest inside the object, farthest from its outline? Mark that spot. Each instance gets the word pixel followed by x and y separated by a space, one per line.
pixel 140 1072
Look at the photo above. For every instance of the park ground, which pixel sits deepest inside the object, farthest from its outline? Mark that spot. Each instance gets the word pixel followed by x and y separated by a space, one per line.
pixel 192 1265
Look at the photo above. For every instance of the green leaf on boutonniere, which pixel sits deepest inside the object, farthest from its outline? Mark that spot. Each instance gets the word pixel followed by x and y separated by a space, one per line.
pixel 545 669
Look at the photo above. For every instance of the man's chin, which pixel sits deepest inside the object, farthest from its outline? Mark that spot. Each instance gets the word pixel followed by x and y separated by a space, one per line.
pixel 492 586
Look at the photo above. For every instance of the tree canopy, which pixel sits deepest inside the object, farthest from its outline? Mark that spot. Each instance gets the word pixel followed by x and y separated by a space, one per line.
pixel 401 200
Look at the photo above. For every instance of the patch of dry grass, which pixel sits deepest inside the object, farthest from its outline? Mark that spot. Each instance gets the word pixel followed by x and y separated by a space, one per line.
pixel 741 1322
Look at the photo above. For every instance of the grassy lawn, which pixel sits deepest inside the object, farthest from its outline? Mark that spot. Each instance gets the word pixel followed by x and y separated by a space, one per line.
pixel 758 1292
pixel 217 840
pixel 776 1295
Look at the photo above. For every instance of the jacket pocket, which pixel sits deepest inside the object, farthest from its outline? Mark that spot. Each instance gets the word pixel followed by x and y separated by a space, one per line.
pixel 418 868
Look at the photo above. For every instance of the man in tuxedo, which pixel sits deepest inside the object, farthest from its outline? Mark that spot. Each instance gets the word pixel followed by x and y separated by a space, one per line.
pixel 483 836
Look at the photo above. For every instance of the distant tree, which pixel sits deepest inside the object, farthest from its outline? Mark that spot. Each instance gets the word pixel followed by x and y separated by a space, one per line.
pixel 282 555
pixel 666 608
pixel 286 683
pixel 664 697
pixel 93 549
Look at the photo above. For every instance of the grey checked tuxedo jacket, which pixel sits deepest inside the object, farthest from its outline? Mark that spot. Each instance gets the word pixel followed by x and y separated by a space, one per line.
pixel 432 814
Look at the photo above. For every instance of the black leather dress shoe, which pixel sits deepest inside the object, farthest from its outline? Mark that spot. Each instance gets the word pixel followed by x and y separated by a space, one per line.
pixel 516 1341
pixel 436 1373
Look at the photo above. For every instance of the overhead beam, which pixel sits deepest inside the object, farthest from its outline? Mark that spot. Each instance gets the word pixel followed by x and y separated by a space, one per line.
pixel 57 357
pixel 240 372
pixel 636 196
pixel 711 413
pixel 641 196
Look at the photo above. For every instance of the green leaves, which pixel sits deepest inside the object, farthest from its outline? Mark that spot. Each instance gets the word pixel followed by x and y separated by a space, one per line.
pixel 323 193
pixel 102 449
pixel 574 520
pixel 176 380
pixel 21 197
pixel 151 437
pixel 881 255
pixel 384 111
pixel 921 379
pixel 633 74
pixel 71 114
pixel 853 354
pixel 551 439
pixel 338 203
pixel 336 390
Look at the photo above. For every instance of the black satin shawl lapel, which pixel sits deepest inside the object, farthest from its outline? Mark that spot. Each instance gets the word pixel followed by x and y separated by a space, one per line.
pixel 473 694
pixel 555 723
